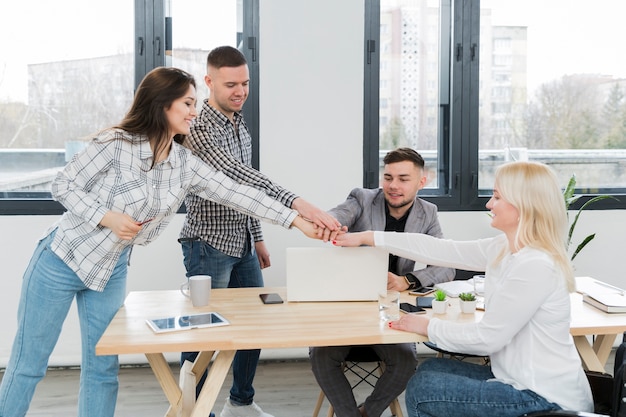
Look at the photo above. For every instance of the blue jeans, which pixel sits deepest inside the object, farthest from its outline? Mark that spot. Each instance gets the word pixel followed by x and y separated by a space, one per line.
pixel 48 289
pixel 448 387
pixel 226 271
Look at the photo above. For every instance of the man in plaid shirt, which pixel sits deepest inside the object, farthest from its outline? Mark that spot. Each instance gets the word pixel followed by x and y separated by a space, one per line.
pixel 217 240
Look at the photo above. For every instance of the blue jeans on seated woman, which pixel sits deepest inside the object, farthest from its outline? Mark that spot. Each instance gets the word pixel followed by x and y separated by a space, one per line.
pixel 48 290
pixel 448 387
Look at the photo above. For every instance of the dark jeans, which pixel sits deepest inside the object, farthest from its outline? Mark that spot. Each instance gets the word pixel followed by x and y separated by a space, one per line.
pixel 227 272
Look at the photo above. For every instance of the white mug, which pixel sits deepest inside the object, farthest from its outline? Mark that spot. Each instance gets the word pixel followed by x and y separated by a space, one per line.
pixel 198 288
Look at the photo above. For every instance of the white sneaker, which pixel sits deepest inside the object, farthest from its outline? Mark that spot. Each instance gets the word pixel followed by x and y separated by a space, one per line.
pixel 251 410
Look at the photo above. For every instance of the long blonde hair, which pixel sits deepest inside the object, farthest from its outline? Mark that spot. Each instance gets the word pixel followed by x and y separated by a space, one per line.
pixel 533 189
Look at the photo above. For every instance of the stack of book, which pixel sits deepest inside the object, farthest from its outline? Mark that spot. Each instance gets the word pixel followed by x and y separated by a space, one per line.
pixel 606 297
pixel 454 288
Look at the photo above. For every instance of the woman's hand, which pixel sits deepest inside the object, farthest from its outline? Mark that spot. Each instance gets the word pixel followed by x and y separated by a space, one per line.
pixel 415 323
pixel 321 218
pixel 354 239
pixel 124 226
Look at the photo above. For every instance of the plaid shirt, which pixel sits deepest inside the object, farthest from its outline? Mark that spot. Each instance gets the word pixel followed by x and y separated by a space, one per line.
pixel 113 173
pixel 228 148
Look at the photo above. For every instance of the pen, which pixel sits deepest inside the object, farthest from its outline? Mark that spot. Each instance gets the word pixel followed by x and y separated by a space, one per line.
pixel 604 284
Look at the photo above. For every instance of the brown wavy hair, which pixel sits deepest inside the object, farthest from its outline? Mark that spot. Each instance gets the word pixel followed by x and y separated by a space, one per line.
pixel 155 94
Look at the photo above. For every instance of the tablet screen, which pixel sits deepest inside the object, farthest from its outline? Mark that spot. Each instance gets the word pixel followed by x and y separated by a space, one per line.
pixel 194 321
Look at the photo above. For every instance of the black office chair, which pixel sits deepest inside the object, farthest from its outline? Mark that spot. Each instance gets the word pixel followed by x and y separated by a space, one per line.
pixel 609 392
pixel 602 388
pixel 442 353
pixel 464 275
pixel 367 375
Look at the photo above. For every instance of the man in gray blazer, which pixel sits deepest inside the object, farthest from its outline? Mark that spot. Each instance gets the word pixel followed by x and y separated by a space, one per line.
pixel 395 207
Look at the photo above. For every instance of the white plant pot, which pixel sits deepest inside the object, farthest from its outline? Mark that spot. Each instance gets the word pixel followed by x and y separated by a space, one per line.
pixel 439 307
pixel 468 306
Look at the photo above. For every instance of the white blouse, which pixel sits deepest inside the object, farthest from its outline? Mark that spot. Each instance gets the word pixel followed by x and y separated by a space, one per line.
pixel 525 328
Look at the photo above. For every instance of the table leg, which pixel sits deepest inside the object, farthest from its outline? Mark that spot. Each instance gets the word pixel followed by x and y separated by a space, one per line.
pixel 603 346
pixel 190 375
pixel 166 379
pixel 182 397
pixel 594 358
pixel 202 363
pixel 213 384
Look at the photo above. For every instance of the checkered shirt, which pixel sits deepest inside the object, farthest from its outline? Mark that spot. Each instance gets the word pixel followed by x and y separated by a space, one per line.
pixel 226 147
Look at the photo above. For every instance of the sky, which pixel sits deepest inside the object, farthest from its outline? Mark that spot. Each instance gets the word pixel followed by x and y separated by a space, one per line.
pixel 562 39
pixel 37 31
pixel 568 36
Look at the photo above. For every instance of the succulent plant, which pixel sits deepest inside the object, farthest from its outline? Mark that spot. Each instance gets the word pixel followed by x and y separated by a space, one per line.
pixel 467 296
pixel 440 295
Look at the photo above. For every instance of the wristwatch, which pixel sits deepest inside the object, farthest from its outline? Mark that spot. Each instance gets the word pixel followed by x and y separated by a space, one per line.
pixel 412 281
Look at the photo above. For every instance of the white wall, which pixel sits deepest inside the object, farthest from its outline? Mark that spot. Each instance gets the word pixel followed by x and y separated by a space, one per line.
pixel 311 135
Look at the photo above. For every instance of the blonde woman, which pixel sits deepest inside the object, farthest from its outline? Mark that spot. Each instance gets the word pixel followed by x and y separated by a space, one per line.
pixel 525 328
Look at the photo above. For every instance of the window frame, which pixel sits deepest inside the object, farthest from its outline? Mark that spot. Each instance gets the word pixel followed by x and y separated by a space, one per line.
pixel 458 163
pixel 152 38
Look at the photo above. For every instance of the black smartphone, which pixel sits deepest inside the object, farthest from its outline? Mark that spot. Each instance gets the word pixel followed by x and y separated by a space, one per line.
pixel 410 308
pixel 271 298
pixel 424 302
pixel 422 291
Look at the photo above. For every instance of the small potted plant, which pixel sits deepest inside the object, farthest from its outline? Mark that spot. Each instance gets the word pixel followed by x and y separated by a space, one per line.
pixel 440 302
pixel 468 302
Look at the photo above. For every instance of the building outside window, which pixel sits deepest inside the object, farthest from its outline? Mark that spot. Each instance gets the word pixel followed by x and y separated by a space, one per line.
pixel 528 82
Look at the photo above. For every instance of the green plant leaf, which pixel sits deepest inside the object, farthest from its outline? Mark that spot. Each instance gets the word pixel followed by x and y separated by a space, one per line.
pixel 467 296
pixel 578 213
pixel 570 198
pixel 582 245
pixel 568 193
pixel 440 295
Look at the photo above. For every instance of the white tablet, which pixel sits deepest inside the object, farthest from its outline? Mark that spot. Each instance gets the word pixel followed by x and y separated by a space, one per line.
pixel 194 321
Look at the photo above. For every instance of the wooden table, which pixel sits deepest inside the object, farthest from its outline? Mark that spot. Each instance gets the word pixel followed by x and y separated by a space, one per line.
pixel 253 326
pixel 590 321
pixel 258 326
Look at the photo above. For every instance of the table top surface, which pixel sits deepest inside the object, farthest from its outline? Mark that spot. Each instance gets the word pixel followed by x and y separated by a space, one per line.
pixel 254 325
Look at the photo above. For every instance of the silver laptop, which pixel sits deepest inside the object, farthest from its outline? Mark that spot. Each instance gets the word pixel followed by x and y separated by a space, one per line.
pixel 336 274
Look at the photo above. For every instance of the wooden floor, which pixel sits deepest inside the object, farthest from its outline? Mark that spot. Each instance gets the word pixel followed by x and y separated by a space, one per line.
pixel 283 389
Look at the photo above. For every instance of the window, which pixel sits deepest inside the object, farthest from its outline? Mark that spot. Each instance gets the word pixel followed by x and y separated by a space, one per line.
pixel 565 89
pixel 62 78
pixel 507 86
pixel 409 78
pixel 220 22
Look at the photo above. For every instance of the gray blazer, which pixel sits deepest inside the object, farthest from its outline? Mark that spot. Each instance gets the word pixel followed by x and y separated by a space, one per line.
pixel 364 209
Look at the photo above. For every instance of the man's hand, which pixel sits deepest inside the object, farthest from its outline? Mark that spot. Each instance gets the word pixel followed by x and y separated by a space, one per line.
pixel 327 234
pixel 124 226
pixel 263 254
pixel 305 226
pixel 396 282
pixel 314 214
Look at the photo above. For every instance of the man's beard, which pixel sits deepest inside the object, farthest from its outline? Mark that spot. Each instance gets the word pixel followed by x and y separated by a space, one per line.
pixel 399 205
